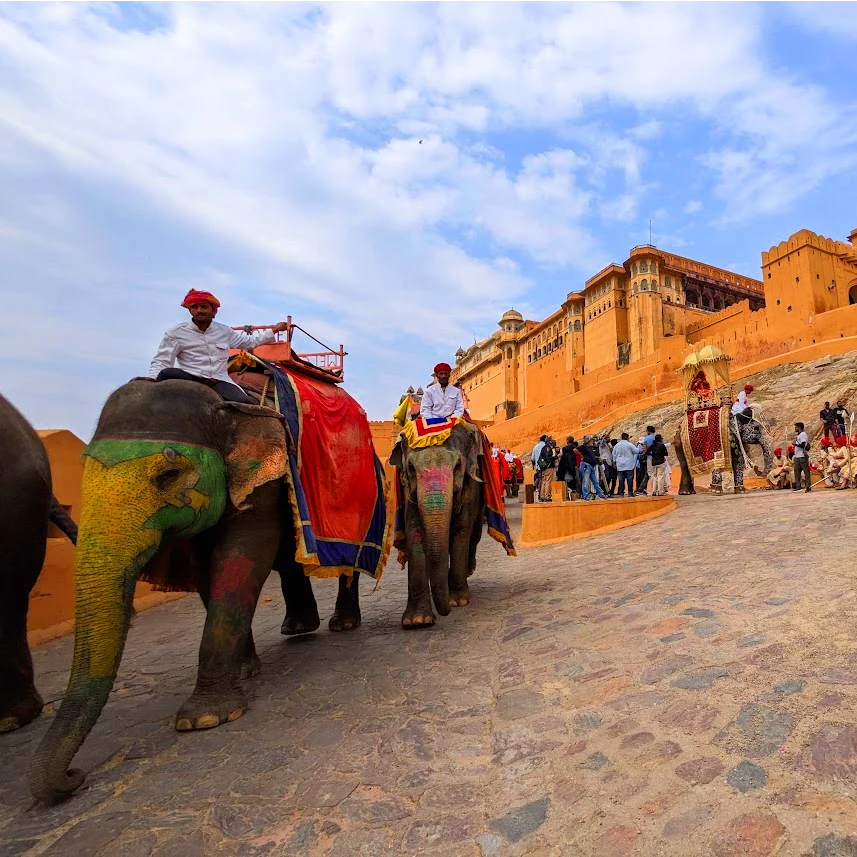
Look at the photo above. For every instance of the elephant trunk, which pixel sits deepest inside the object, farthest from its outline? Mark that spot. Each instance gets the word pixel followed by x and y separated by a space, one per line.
pixel 111 551
pixel 435 502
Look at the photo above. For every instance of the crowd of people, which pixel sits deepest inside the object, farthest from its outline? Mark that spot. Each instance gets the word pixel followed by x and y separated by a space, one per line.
pixel 601 467
pixel 837 464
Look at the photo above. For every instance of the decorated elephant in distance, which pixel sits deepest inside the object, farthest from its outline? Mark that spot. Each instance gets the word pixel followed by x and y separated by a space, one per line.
pixel 444 505
pixel 752 433
pixel 27 506
pixel 179 487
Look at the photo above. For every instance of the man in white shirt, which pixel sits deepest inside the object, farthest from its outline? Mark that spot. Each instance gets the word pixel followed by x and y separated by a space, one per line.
pixel 201 348
pixel 801 458
pixel 441 400
pixel 741 410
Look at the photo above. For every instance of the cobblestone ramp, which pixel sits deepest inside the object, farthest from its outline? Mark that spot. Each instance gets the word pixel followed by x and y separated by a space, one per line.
pixel 683 687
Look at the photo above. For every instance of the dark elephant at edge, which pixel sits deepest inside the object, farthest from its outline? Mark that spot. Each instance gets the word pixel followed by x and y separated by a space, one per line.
pixel 232 551
pixel 27 507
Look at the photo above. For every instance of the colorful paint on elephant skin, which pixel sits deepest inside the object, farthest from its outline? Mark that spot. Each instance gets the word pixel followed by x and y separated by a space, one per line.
pixel 435 487
pixel 134 493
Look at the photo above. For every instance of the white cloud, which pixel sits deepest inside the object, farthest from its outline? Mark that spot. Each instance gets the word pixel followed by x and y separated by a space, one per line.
pixel 693 206
pixel 288 138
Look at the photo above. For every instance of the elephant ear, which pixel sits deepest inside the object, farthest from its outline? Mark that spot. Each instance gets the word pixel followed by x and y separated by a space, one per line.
pixel 473 453
pixel 259 450
pixel 397 456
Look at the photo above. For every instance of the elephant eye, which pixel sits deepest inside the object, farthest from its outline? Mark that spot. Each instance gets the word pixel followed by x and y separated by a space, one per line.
pixel 166 478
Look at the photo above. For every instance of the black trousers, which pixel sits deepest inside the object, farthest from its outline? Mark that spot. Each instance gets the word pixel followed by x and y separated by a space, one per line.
pixel 227 391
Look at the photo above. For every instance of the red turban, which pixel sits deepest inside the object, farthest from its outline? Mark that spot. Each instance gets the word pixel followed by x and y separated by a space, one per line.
pixel 778 451
pixel 791 450
pixel 825 442
pixel 841 441
pixel 442 367
pixel 195 297
pixel 748 388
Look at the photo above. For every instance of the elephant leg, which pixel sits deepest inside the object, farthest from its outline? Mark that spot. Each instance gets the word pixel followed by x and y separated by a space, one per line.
pixel 250 663
pixel 686 484
pixel 475 537
pixel 301 610
pixel 20 702
pixel 716 481
pixel 346 614
pixel 418 612
pixel 459 561
pixel 240 564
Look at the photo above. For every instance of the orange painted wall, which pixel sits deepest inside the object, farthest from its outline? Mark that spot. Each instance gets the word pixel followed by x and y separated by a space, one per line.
pixel 546 523
pixel 600 336
pixel 487 392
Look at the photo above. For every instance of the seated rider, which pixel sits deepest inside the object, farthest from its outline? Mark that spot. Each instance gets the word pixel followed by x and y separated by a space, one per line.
pixel 741 410
pixel 201 348
pixel 441 400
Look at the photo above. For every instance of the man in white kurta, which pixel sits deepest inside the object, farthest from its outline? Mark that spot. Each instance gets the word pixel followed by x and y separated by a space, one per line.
pixel 200 348
pixel 441 400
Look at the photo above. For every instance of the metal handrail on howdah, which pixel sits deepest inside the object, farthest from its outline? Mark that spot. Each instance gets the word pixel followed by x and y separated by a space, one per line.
pixel 331 359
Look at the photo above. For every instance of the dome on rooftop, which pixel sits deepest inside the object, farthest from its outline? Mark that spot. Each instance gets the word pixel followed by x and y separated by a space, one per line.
pixel 511 315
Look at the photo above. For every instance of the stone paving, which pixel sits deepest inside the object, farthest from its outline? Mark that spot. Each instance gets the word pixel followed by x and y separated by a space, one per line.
pixel 686 686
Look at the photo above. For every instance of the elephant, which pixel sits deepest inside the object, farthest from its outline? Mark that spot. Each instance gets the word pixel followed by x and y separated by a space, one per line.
pixel 752 432
pixel 444 505
pixel 179 484
pixel 27 506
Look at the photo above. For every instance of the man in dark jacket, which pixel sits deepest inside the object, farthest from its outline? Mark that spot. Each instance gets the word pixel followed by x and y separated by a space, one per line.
pixel 567 470
pixel 588 472
pixel 658 456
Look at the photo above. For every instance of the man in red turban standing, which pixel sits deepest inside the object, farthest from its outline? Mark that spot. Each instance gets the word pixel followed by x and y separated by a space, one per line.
pixel 441 400
pixel 201 346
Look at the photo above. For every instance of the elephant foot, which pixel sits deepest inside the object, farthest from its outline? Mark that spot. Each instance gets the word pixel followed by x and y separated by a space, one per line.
pixel 345 620
pixel 205 711
pixel 250 666
pixel 21 711
pixel 295 624
pixel 459 597
pixel 416 617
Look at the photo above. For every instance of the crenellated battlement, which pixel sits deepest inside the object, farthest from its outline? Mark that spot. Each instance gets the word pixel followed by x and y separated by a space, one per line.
pixel 805 238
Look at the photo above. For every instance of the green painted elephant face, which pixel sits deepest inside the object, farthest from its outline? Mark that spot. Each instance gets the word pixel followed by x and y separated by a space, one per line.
pixel 165 488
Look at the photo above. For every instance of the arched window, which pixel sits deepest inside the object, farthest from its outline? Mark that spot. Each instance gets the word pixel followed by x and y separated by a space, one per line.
pixel 669 299
pixel 644 268
pixel 560 341
pixel 852 294
pixel 529 358
pixel 668 282
pixel 644 284
pixel 577 322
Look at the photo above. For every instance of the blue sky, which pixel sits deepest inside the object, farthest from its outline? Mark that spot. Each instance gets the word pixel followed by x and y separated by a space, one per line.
pixel 271 153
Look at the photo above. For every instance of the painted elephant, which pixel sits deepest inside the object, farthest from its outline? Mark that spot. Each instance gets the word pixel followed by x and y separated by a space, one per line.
pixel 179 487
pixel 444 505
pixel 752 433
pixel 27 506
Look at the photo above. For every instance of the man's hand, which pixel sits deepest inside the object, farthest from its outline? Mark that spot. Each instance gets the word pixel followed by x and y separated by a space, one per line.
pixel 280 326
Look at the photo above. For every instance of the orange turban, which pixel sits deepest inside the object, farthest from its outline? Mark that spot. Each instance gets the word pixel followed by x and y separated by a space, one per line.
pixel 442 367
pixel 196 297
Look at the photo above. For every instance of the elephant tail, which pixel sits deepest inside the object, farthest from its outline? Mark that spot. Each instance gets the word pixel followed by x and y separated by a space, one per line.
pixel 62 519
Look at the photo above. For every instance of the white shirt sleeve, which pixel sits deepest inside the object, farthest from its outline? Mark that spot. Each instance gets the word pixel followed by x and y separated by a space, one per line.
pixel 239 339
pixel 165 356
pixel 427 404
pixel 459 403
